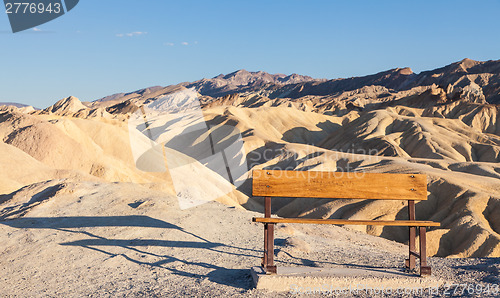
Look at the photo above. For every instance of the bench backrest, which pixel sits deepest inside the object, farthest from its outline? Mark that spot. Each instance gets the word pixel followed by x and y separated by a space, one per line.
pixel 339 185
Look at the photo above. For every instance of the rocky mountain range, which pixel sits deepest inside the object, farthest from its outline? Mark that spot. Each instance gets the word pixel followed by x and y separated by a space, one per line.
pixel 245 81
pixel 14 104
pixel 483 77
pixel 474 80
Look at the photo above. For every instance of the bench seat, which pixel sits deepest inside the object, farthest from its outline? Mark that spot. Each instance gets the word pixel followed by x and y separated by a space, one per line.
pixel 400 223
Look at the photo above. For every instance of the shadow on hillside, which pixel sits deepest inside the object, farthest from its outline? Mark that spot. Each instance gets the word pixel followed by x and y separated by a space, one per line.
pixel 303 135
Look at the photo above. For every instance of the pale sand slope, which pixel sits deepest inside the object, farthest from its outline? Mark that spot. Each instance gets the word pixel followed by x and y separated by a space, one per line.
pixel 64 238
pixel 459 152
pixel 61 147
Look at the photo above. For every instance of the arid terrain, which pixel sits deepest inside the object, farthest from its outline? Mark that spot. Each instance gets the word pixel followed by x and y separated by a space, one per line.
pixel 79 216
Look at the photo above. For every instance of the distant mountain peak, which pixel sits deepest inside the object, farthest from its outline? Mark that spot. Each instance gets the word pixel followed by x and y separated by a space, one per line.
pixel 405 71
pixel 66 105
pixel 467 60
pixel 240 71
pixel 467 63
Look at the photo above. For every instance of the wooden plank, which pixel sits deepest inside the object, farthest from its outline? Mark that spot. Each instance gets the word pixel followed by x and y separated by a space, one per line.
pixel 410 223
pixel 341 185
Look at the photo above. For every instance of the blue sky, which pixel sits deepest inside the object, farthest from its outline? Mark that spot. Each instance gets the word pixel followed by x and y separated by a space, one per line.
pixel 103 47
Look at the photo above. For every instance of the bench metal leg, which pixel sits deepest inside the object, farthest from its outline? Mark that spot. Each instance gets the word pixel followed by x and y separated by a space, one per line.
pixel 424 269
pixel 268 260
pixel 264 258
pixel 410 262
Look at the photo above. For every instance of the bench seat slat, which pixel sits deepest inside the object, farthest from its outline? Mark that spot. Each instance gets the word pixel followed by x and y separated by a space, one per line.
pixel 411 223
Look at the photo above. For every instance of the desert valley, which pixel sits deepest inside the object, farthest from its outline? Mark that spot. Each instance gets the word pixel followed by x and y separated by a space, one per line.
pixel 79 216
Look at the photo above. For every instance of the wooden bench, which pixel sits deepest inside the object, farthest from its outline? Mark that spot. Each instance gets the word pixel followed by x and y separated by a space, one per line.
pixel 343 185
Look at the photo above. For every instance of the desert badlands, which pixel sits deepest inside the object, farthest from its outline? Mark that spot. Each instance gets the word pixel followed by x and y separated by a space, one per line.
pixel 86 210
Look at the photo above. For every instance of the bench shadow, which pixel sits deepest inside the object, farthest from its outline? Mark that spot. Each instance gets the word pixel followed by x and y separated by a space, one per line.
pixel 399 271
pixel 68 222
pixel 238 278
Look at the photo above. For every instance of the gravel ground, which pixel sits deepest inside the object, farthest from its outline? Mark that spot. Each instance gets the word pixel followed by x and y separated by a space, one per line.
pixel 137 243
